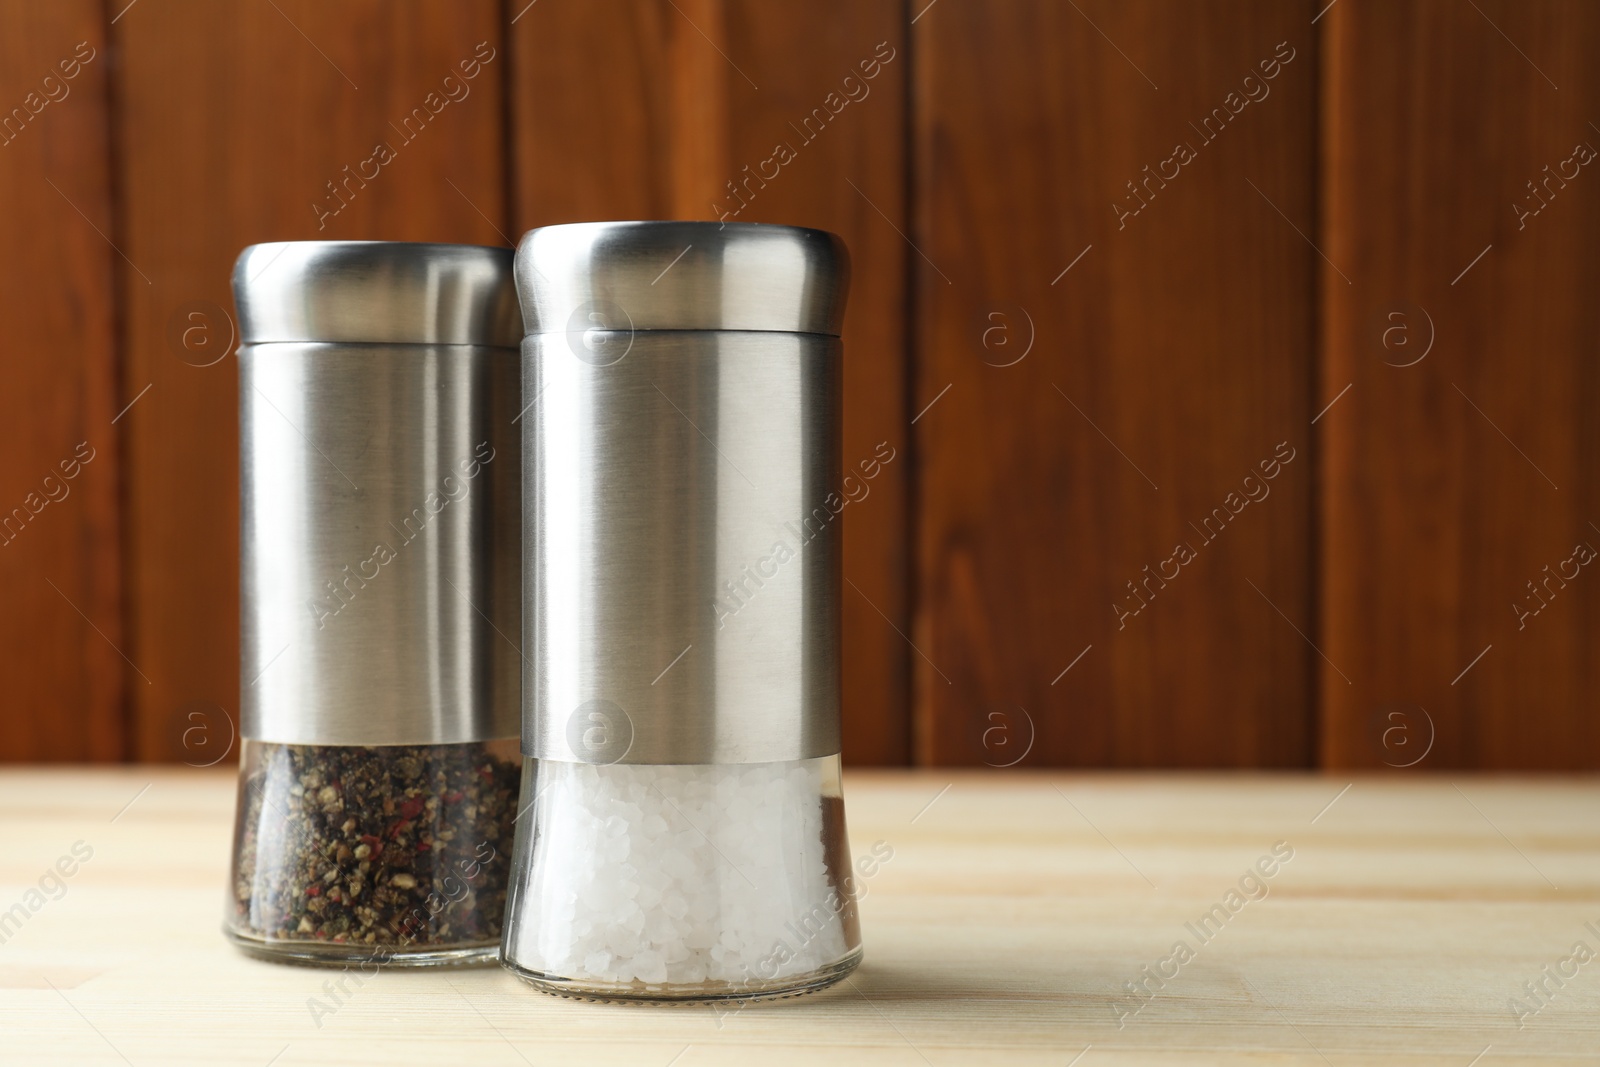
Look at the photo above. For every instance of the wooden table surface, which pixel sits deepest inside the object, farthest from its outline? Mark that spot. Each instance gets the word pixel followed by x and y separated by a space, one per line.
pixel 1014 909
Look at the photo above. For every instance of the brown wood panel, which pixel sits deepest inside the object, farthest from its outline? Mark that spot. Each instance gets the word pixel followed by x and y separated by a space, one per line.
pixel 695 96
pixel 60 628
pixel 233 121
pixel 1460 480
pixel 1171 329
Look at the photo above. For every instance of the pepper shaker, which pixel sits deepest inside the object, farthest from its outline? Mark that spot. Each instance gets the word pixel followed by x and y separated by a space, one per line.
pixel 380 481
pixel 684 836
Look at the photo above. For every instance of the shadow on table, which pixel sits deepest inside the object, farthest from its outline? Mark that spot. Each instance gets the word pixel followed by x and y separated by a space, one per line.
pixel 1062 996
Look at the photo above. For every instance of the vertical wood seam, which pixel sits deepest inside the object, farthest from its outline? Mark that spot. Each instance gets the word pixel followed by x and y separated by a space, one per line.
pixel 918 732
pixel 1321 72
pixel 118 296
pixel 508 128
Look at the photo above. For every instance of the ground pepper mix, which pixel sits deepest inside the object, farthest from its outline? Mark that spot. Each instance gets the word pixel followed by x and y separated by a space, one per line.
pixel 404 846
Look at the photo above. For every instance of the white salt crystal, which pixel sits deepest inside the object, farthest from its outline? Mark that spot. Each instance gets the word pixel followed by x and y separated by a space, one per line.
pixel 650 966
pixel 675 875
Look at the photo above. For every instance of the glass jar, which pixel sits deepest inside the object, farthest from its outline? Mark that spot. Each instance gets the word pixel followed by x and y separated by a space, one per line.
pixel 343 853
pixel 380 566
pixel 721 881
pixel 682 475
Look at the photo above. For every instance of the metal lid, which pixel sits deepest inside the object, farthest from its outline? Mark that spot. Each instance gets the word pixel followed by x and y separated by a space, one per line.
pixel 682 276
pixel 392 292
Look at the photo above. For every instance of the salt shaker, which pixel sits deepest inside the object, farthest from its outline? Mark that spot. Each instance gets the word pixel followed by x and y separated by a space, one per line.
pixel 684 836
pixel 380 482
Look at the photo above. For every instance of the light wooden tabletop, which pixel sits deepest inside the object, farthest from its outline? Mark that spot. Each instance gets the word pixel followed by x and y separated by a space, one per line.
pixel 1398 923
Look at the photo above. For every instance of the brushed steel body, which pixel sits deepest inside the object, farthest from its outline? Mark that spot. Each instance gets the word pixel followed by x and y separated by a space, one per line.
pixel 684 563
pixel 380 499
pixel 681 492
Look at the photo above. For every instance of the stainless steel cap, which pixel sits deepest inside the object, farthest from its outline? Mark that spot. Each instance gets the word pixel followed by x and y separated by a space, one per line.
pixel 626 276
pixel 376 292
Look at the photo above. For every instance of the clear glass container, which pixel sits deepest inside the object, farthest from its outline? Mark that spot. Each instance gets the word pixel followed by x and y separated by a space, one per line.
pixel 714 882
pixel 394 854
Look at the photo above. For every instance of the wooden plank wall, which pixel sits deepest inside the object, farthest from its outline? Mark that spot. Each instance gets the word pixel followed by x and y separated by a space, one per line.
pixel 1135 271
pixel 61 672
pixel 1460 480
pixel 1171 329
